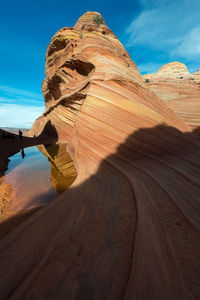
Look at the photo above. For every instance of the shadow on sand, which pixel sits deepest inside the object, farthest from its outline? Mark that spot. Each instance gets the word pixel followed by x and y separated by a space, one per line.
pixel 130 231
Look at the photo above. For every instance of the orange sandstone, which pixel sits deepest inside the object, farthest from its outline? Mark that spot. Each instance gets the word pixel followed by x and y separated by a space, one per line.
pixel 179 89
pixel 128 227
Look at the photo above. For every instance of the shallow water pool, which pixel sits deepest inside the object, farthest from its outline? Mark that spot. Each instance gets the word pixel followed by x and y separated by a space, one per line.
pixel 37 174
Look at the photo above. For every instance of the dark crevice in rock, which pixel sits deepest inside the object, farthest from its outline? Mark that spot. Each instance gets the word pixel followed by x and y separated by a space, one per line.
pixel 82 67
pixel 67 102
pixel 57 45
pixel 53 90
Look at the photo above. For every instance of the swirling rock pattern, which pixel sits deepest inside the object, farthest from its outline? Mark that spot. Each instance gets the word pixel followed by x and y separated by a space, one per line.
pixel 128 227
pixel 179 89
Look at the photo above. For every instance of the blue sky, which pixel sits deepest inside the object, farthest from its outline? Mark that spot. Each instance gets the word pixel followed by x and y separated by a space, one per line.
pixel 154 32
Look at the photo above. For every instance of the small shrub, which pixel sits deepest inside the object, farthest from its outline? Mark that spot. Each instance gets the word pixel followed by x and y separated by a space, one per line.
pixel 147 80
pixel 82 28
pixel 98 20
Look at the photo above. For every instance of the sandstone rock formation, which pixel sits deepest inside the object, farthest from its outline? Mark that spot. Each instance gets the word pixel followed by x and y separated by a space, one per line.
pixel 179 89
pixel 173 70
pixel 197 73
pixel 128 227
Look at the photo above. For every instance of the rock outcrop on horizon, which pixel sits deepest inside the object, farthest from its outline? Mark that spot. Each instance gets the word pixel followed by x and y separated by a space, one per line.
pixel 128 227
pixel 179 89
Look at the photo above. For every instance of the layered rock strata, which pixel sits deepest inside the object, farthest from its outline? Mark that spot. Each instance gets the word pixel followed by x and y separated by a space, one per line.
pixel 179 89
pixel 128 227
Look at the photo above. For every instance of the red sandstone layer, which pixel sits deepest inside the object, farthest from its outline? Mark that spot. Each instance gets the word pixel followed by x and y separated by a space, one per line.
pixel 179 89
pixel 128 227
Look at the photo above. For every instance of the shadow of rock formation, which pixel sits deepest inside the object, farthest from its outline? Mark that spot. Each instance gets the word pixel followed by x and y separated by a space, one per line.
pixel 130 231
pixel 128 227
pixel 49 132
pixel 13 219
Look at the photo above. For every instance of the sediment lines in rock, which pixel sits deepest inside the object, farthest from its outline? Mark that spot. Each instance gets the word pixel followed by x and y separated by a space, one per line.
pixel 179 89
pixel 128 227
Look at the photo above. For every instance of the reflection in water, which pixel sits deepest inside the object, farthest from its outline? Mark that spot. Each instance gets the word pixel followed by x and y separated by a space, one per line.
pixel 63 172
pixel 23 154
pixel 35 181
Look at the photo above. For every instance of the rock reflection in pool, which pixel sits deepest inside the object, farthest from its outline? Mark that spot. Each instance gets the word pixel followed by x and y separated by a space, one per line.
pixel 63 172
pixel 36 178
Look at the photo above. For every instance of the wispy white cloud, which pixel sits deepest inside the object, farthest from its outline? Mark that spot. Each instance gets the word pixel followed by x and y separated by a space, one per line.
pixel 6 100
pixel 10 94
pixel 170 26
pixel 20 100
pixel 18 92
pixel 21 116
pixel 190 45
pixel 18 107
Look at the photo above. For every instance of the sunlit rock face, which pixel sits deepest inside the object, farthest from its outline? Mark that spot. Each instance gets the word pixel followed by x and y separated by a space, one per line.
pixel 128 227
pixel 86 64
pixel 173 70
pixel 179 89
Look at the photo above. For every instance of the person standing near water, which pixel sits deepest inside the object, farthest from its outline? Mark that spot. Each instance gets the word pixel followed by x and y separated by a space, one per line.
pixel 20 134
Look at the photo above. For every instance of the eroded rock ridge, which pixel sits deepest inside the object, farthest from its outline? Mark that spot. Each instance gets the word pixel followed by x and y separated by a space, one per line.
pixel 128 227
pixel 179 89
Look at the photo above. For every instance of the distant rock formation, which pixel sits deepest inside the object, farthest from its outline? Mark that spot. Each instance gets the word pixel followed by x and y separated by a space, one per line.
pixel 196 74
pixel 128 227
pixel 179 89
pixel 173 70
